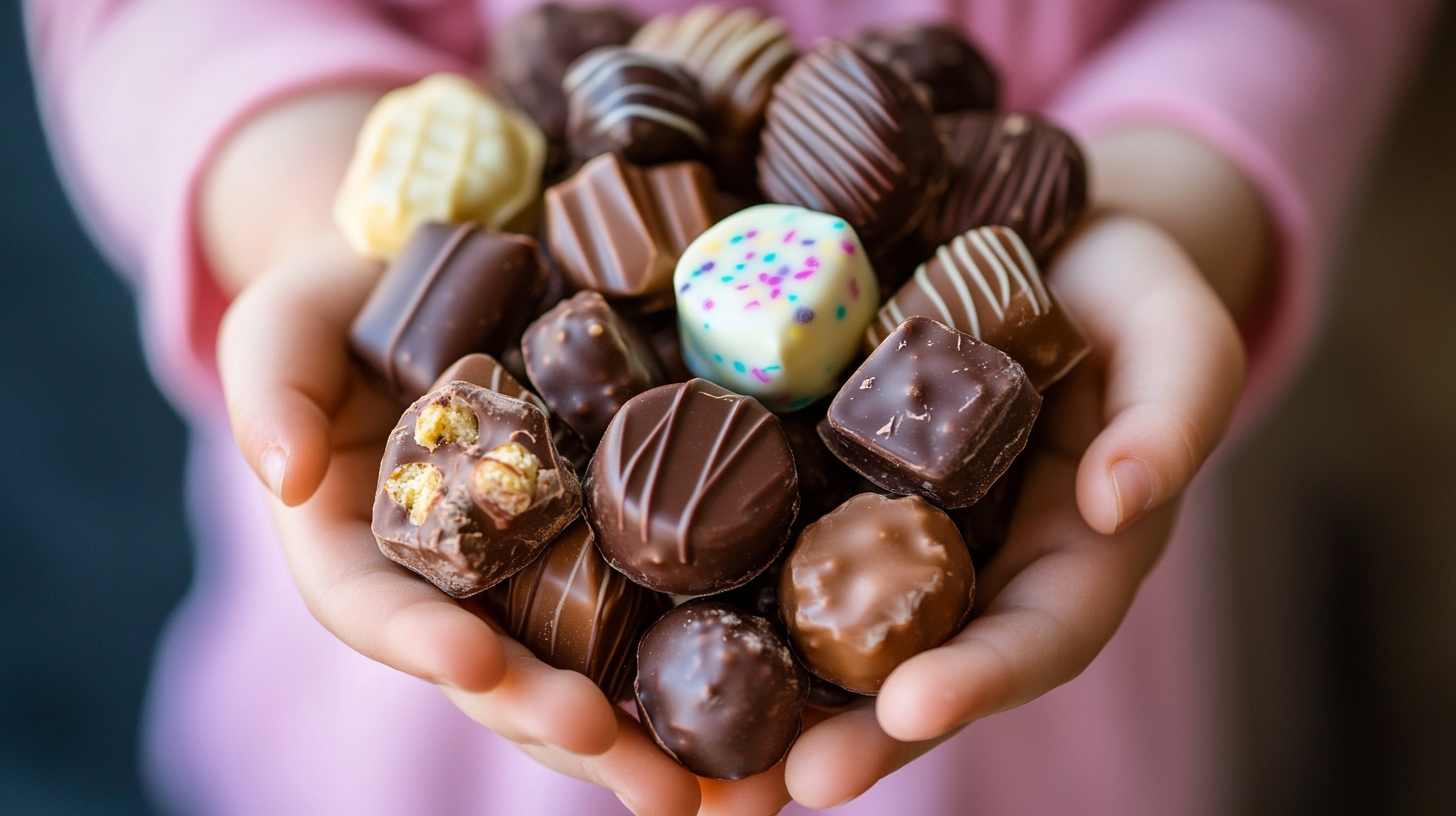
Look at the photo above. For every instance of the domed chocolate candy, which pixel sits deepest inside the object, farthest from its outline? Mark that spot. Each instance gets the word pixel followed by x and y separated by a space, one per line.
pixel 1013 170
pixel 719 691
pixel 575 612
pixel 693 489
pixel 938 61
pixel 872 584
pixel 471 489
pixel 847 136
pixel 644 108
pixel 773 301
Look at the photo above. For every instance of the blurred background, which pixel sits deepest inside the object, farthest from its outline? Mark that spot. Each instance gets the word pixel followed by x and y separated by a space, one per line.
pixel 1343 507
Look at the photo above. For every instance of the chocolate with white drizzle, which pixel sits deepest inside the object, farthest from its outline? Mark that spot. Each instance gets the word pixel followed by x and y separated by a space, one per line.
pixel 986 284
pixel 644 108
pixel 693 489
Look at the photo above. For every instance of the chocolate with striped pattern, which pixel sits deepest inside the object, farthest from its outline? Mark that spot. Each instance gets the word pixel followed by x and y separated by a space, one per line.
pixel 644 108
pixel 574 612
pixel 847 136
pixel 986 284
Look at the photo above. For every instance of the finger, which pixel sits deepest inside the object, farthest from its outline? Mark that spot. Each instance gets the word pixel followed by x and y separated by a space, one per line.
pixel 1173 367
pixel 840 758
pixel 647 781
pixel 370 603
pixel 1059 591
pixel 762 794
pixel 283 358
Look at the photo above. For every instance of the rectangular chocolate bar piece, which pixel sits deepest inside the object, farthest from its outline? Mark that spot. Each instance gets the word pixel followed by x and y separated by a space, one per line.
pixel 933 412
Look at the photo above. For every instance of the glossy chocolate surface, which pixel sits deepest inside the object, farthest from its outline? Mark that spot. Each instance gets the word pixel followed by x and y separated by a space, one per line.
pixel 719 691
pixel 640 106
pixel 620 229
pixel 945 69
pixel 933 412
pixel 586 362
pixel 467 541
pixel 575 612
pixel 849 137
pixel 986 284
pixel 1013 170
pixel 455 289
pixel 876 582
pixel 693 489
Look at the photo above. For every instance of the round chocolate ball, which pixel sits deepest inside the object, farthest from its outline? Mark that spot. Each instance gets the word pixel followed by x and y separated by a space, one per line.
pixel 872 584
pixel 938 61
pixel 719 690
pixel 640 106
pixel 693 489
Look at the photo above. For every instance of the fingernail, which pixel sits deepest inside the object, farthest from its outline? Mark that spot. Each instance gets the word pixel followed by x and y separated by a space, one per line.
pixel 273 462
pixel 1132 485
pixel 627 803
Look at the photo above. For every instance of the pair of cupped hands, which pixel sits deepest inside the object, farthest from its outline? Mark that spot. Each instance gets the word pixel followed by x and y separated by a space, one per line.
pixel 1117 442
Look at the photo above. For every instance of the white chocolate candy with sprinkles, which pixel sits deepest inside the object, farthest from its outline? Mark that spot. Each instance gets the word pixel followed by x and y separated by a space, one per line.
pixel 772 302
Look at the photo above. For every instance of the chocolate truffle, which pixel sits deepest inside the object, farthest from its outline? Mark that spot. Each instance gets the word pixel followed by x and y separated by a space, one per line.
pixel 1013 170
pixel 471 489
pixel 531 54
pixel 455 289
pixel 719 691
pixel 644 108
pixel 586 362
pixel 574 612
pixel 737 56
pixel 873 584
pixel 620 230
pixel 847 136
pixel 986 284
pixel 693 490
pixel 946 71
pixel 933 412
pixel 772 302
pixel 439 150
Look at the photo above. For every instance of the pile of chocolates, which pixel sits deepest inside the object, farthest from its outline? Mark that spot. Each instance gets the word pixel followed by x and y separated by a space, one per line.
pixel 719 357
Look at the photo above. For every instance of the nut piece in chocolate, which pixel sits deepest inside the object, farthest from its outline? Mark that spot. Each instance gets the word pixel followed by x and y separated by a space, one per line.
pixel 876 582
pixel 719 691
pixel 574 612
pixel 586 362
pixel 986 284
pixel 938 61
pixel 471 488
pixel 932 412
pixel 455 289
pixel 640 106
pixel 693 490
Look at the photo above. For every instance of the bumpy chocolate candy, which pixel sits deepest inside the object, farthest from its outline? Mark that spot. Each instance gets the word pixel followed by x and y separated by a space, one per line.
pixel 531 54
pixel 455 289
pixel 586 362
pixel 986 284
pixel 644 108
pixel 947 71
pixel 873 584
pixel 439 150
pixel 772 302
pixel 471 489
pixel 737 55
pixel 620 230
pixel 719 691
pixel 1012 170
pixel 934 412
pixel 575 612
pixel 693 489
pixel 847 136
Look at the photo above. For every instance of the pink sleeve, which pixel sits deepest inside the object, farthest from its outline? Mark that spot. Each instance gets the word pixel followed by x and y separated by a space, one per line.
pixel 137 94
pixel 1292 91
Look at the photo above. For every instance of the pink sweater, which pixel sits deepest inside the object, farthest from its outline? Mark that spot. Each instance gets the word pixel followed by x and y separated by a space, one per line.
pixel 256 709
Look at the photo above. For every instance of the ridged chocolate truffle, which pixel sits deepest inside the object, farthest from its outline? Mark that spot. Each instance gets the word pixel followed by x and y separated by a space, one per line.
pixel 644 108
pixel 948 72
pixel 1013 170
pixel 847 136
pixel 876 582
pixel 719 691
pixel 693 489
pixel 575 612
